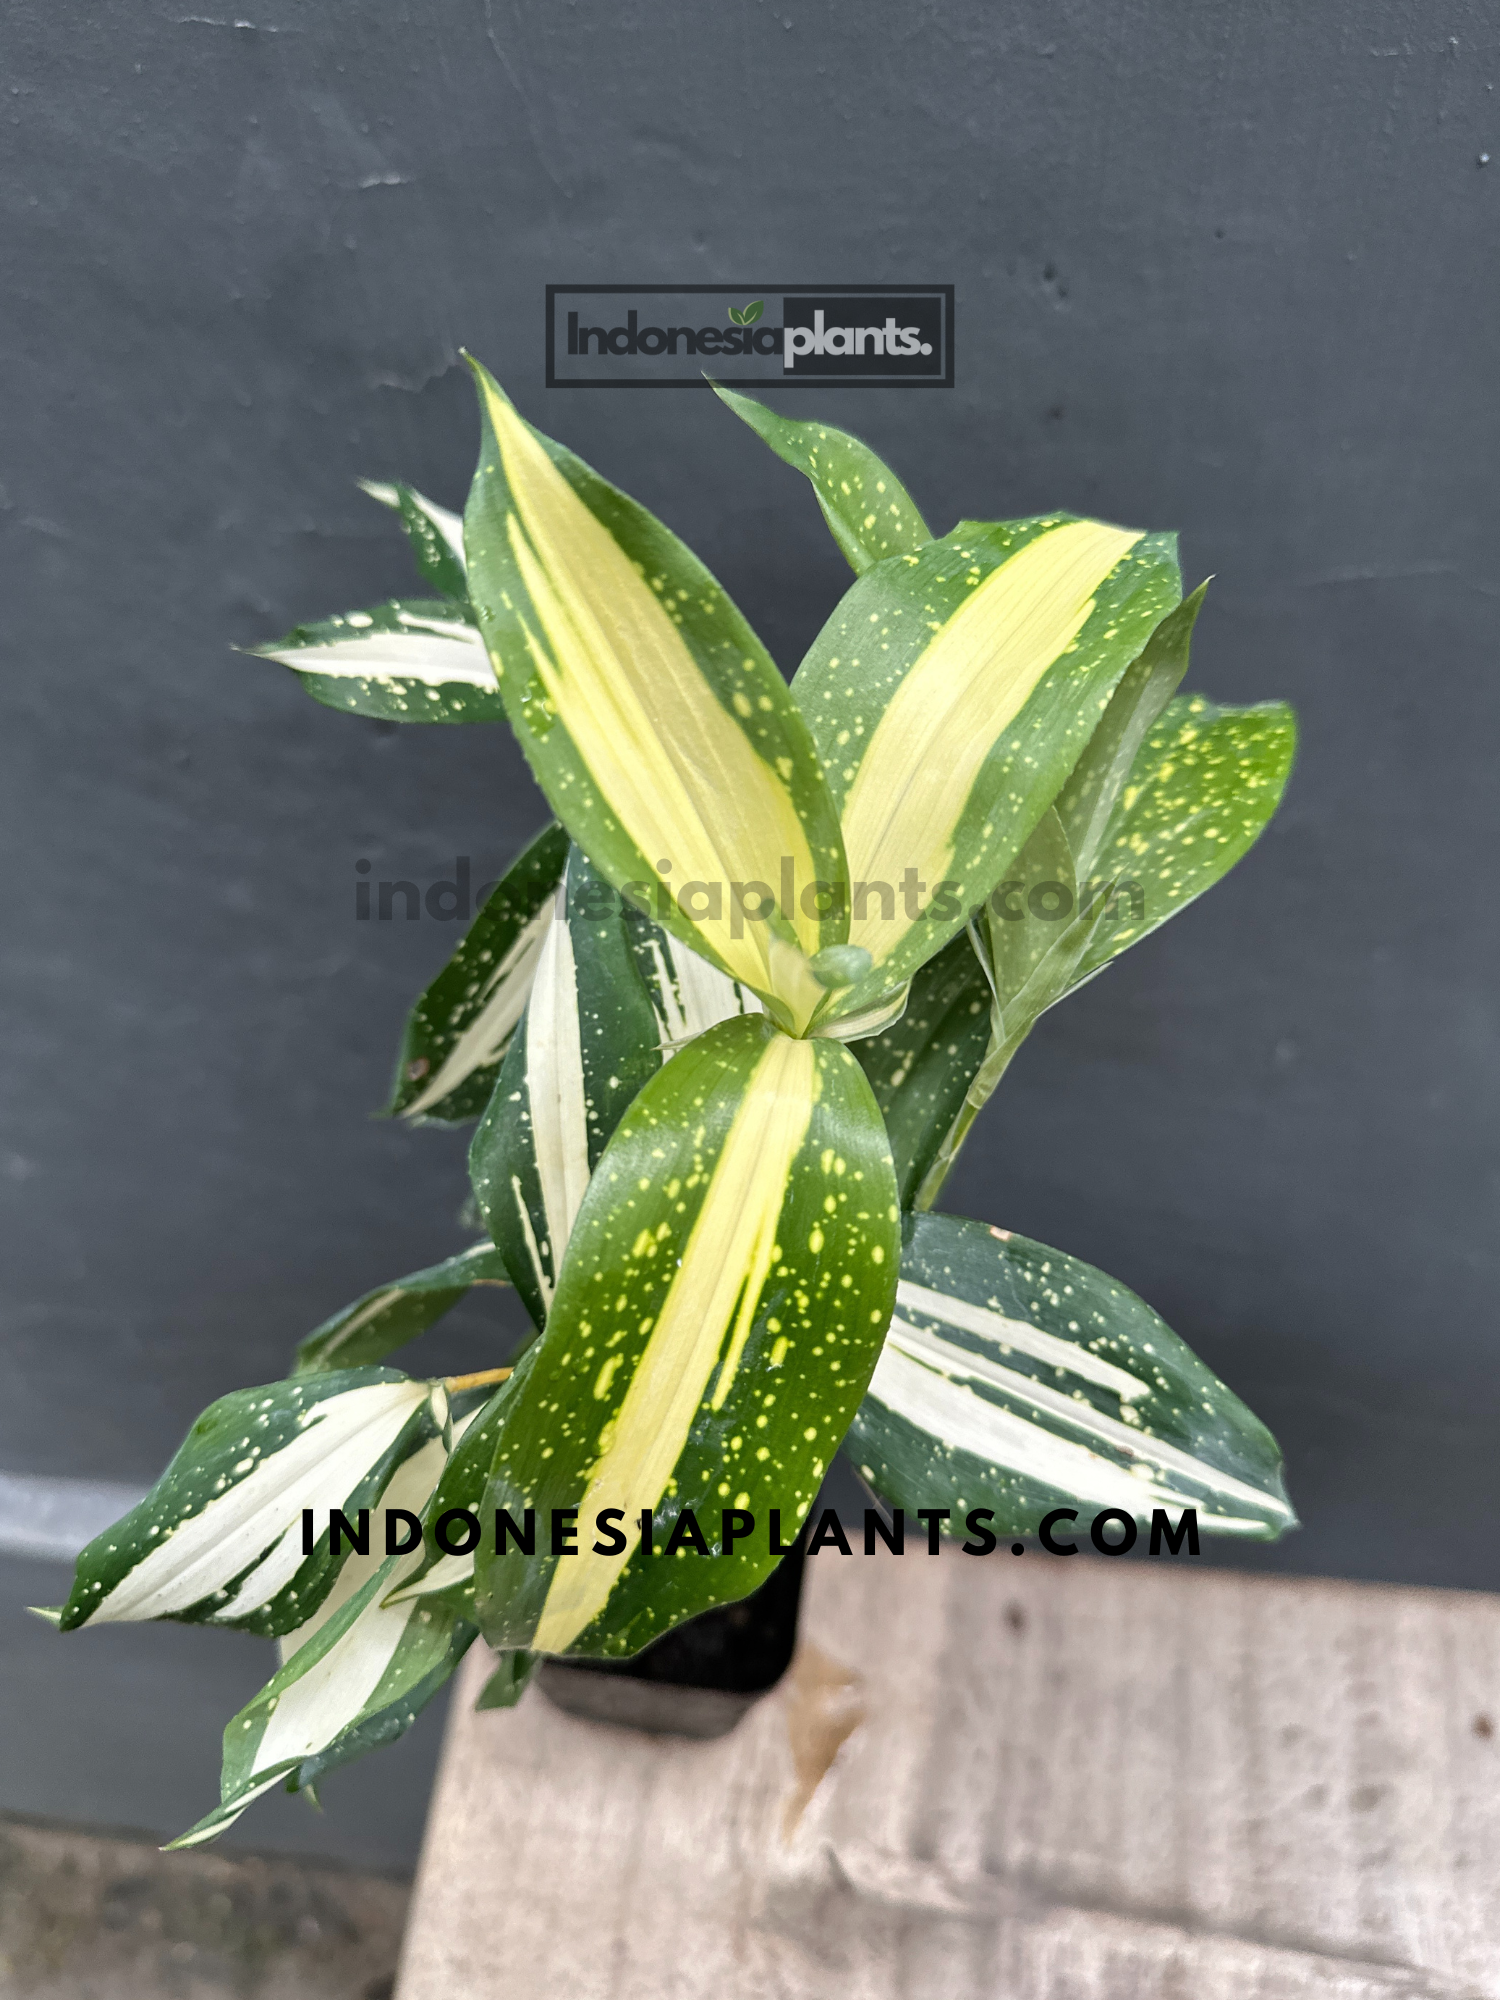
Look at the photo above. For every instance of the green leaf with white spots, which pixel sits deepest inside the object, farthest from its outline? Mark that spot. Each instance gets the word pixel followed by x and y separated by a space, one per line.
pixel 724 1296
pixel 950 696
pixel 458 1031
pixel 614 997
pixel 354 1682
pixel 390 1316
pixel 869 511
pixel 1204 783
pixel 654 719
pixel 921 1066
pixel 1018 1379
pixel 218 1539
pixel 411 660
pixel 435 534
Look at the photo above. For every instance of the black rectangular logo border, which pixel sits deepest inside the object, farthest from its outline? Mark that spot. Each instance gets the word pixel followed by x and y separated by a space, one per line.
pixel 946 292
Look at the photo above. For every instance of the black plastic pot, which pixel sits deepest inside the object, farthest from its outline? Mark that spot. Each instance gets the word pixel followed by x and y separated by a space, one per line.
pixel 697 1680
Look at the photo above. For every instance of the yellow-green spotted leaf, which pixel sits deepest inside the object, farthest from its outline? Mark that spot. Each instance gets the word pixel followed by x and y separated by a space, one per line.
pixel 1200 794
pixel 724 1296
pixel 1019 1379
pixel 1204 783
pixel 458 1031
pixel 1087 800
pixel 653 717
pixel 950 696
pixel 869 511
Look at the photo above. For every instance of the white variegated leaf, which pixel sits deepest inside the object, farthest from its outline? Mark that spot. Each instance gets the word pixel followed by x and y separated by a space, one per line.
pixel 411 660
pixel 1017 1379
pixel 356 1673
pixel 613 998
pixel 357 1680
pixel 436 535
pixel 218 1539
pixel 457 1033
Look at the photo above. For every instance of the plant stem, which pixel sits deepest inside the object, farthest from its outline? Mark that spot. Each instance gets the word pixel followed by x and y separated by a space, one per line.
pixel 455 1383
pixel 996 1063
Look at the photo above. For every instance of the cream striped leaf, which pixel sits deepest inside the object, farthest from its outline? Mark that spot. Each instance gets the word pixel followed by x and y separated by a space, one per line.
pixel 387 1318
pixel 218 1539
pixel 869 511
pixel 724 1296
pixel 436 536
pixel 356 1683
pixel 615 996
pixel 411 660
pixel 653 717
pixel 457 1033
pixel 950 695
pixel 1018 1379
pixel 442 1577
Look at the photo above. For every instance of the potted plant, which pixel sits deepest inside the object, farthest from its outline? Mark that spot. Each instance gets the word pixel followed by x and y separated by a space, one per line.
pixel 725 1024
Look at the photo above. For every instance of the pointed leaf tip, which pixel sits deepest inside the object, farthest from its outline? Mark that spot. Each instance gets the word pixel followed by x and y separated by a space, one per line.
pixel 644 701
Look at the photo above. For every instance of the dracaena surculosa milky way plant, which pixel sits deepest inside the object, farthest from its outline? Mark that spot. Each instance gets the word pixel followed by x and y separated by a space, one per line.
pixel 724 1025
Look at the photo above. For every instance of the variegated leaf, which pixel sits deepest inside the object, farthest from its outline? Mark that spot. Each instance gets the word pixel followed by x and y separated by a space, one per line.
pixel 1087 800
pixel 356 1682
pixel 724 1296
pixel 218 1539
pixel 614 997
pixel 1018 1379
pixel 435 534
pixel 458 1031
pixel 1200 794
pixel 653 717
pixel 392 1315
pixel 950 695
pixel 442 1577
pixel 412 660
pixel 869 511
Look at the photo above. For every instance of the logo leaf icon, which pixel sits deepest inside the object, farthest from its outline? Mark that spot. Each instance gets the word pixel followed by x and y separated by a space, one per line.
pixel 736 315
pixel 752 312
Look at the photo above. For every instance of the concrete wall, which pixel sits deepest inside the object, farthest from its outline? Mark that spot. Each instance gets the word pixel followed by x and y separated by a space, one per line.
pixel 1229 269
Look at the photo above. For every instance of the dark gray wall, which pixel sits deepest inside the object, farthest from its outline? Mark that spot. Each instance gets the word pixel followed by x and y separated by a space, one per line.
pixel 1228 268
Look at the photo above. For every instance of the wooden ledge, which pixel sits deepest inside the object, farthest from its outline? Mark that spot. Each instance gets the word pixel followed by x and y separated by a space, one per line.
pixel 1035 1779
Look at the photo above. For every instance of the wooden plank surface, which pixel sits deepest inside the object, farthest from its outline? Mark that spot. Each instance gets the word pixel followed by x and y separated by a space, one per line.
pixel 1035 1779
